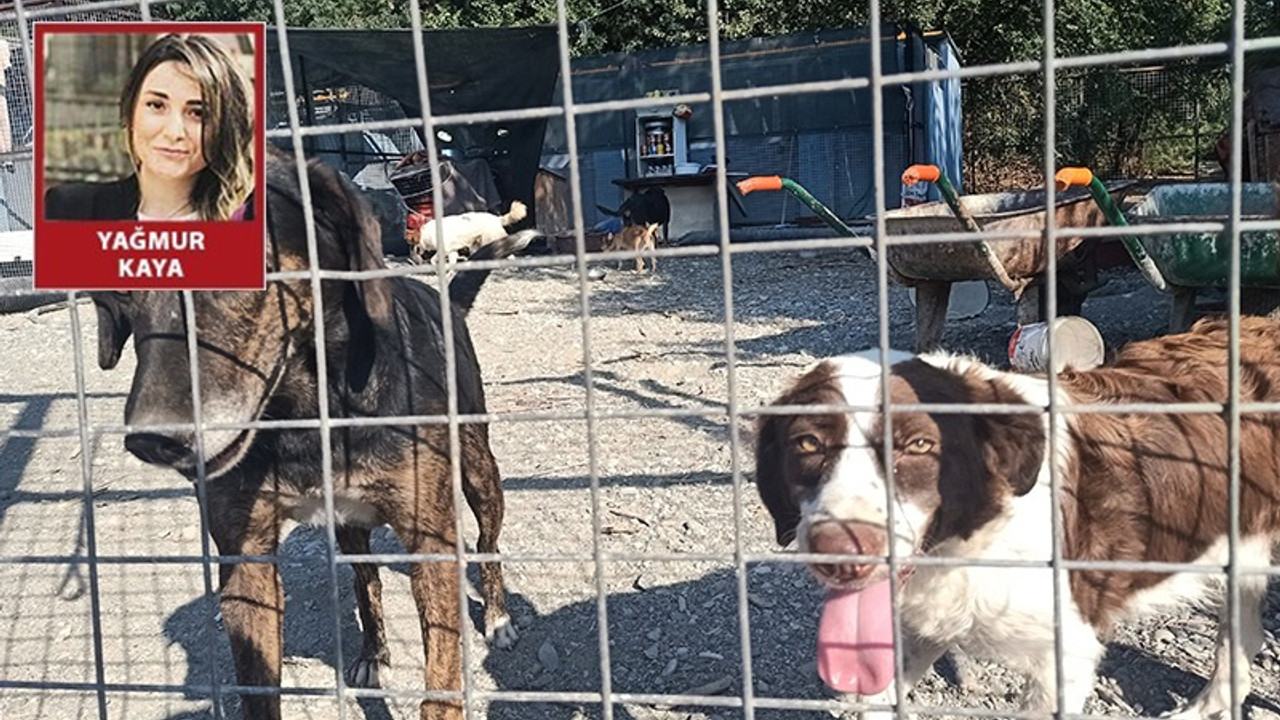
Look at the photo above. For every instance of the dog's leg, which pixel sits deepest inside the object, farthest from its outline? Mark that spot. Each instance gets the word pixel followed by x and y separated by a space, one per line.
pixel 482 484
pixel 375 659
pixel 435 590
pixel 918 655
pixel 1215 700
pixel 252 598
pixel 1081 653
pixel 424 522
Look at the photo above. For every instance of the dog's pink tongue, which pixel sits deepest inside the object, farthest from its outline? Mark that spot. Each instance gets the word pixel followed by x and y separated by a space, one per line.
pixel 855 640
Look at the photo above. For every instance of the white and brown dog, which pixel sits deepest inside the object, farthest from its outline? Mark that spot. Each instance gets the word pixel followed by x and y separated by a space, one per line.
pixel 1133 488
pixel 466 231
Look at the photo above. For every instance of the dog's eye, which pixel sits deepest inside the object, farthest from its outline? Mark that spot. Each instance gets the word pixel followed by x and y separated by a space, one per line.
pixel 920 446
pixel 808 444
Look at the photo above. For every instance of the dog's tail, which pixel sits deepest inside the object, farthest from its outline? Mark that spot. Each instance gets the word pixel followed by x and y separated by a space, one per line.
pixel 607 211
pixel 464 287
pixel 517 213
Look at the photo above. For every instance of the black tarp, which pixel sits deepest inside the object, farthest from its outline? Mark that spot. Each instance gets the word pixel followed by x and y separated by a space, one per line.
pixel 469 70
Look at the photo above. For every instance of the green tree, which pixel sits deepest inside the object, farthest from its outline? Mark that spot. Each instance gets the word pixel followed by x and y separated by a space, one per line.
pixel 1102 117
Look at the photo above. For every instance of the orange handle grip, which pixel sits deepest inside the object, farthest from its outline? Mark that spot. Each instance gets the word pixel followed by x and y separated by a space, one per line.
pixel 920 173
pixel 759 182
pixel 1072 177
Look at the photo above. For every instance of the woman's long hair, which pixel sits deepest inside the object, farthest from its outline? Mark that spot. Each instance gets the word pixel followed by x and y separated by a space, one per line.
pixel 225 182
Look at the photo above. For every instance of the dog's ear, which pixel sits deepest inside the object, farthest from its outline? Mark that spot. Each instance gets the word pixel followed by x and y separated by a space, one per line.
pixel 359 235
pixel 771 477
pixel 367 303
pixel 1013 446
pixel 114 327
pixel 374 294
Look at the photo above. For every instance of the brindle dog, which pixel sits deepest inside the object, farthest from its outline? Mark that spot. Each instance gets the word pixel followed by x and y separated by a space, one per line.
pixel 385 356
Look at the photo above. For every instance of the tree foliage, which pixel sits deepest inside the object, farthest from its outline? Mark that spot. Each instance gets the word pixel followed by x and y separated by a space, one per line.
pixel 1003 114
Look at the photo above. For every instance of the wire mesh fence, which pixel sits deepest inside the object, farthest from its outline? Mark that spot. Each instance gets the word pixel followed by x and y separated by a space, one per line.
pixel 609 443
pixel 1161 121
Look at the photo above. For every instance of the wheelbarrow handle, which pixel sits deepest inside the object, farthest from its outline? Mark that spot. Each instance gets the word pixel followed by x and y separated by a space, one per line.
pixel 749 185
pixel 759 182
pixel 921 173
pixel 1069 177
pixel 1083 177
pixel 933 174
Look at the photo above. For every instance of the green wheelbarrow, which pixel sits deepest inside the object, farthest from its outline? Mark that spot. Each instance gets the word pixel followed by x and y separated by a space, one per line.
pixel 1183 263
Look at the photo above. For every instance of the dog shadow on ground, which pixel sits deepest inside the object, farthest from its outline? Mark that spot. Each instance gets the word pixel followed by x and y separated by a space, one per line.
pixel 683 639
pixel 679 638
pixel 308 626
pixel 1152 686
pixel 652 395
pixel 674 638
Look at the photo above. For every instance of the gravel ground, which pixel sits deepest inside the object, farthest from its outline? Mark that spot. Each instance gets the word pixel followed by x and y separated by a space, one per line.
pixel 657 342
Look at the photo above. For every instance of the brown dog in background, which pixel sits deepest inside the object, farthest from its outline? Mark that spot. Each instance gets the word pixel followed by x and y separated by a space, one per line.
pixel 636 238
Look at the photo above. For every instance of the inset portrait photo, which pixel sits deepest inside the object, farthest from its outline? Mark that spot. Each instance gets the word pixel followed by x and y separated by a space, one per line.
pixel 148 143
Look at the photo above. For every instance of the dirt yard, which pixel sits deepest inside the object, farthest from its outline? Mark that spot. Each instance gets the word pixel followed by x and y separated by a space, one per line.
pixel 657 343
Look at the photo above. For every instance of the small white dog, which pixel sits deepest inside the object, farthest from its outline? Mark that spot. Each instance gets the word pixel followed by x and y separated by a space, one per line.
pixel 466 231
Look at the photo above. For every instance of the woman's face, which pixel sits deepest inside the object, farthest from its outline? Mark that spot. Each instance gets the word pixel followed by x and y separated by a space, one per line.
pixel 168 123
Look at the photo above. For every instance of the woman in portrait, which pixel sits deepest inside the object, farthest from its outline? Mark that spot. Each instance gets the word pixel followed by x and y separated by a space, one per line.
pixel 187 112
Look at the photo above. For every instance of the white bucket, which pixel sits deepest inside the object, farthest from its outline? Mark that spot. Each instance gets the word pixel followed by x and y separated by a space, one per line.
pixel 1077 345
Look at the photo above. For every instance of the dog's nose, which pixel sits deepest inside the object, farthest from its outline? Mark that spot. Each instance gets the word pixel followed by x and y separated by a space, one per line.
pixel 838 538
pixel 159 449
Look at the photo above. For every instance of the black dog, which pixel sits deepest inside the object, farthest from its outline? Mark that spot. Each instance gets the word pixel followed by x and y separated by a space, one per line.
pixel 647 207
pixel 385 355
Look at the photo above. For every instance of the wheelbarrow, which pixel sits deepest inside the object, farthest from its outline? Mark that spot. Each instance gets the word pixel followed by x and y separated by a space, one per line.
pixel 932 269
pixel 1015 263
pixel 1182 263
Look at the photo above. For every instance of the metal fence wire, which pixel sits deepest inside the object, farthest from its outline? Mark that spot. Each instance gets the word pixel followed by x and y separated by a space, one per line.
pixel 742 696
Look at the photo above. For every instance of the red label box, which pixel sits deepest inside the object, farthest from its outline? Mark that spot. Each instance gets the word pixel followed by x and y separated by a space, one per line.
pixel 96 240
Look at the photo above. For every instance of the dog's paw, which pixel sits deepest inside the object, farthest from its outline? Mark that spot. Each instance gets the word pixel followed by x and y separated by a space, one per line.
pixel 502 633
pixel 368 673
